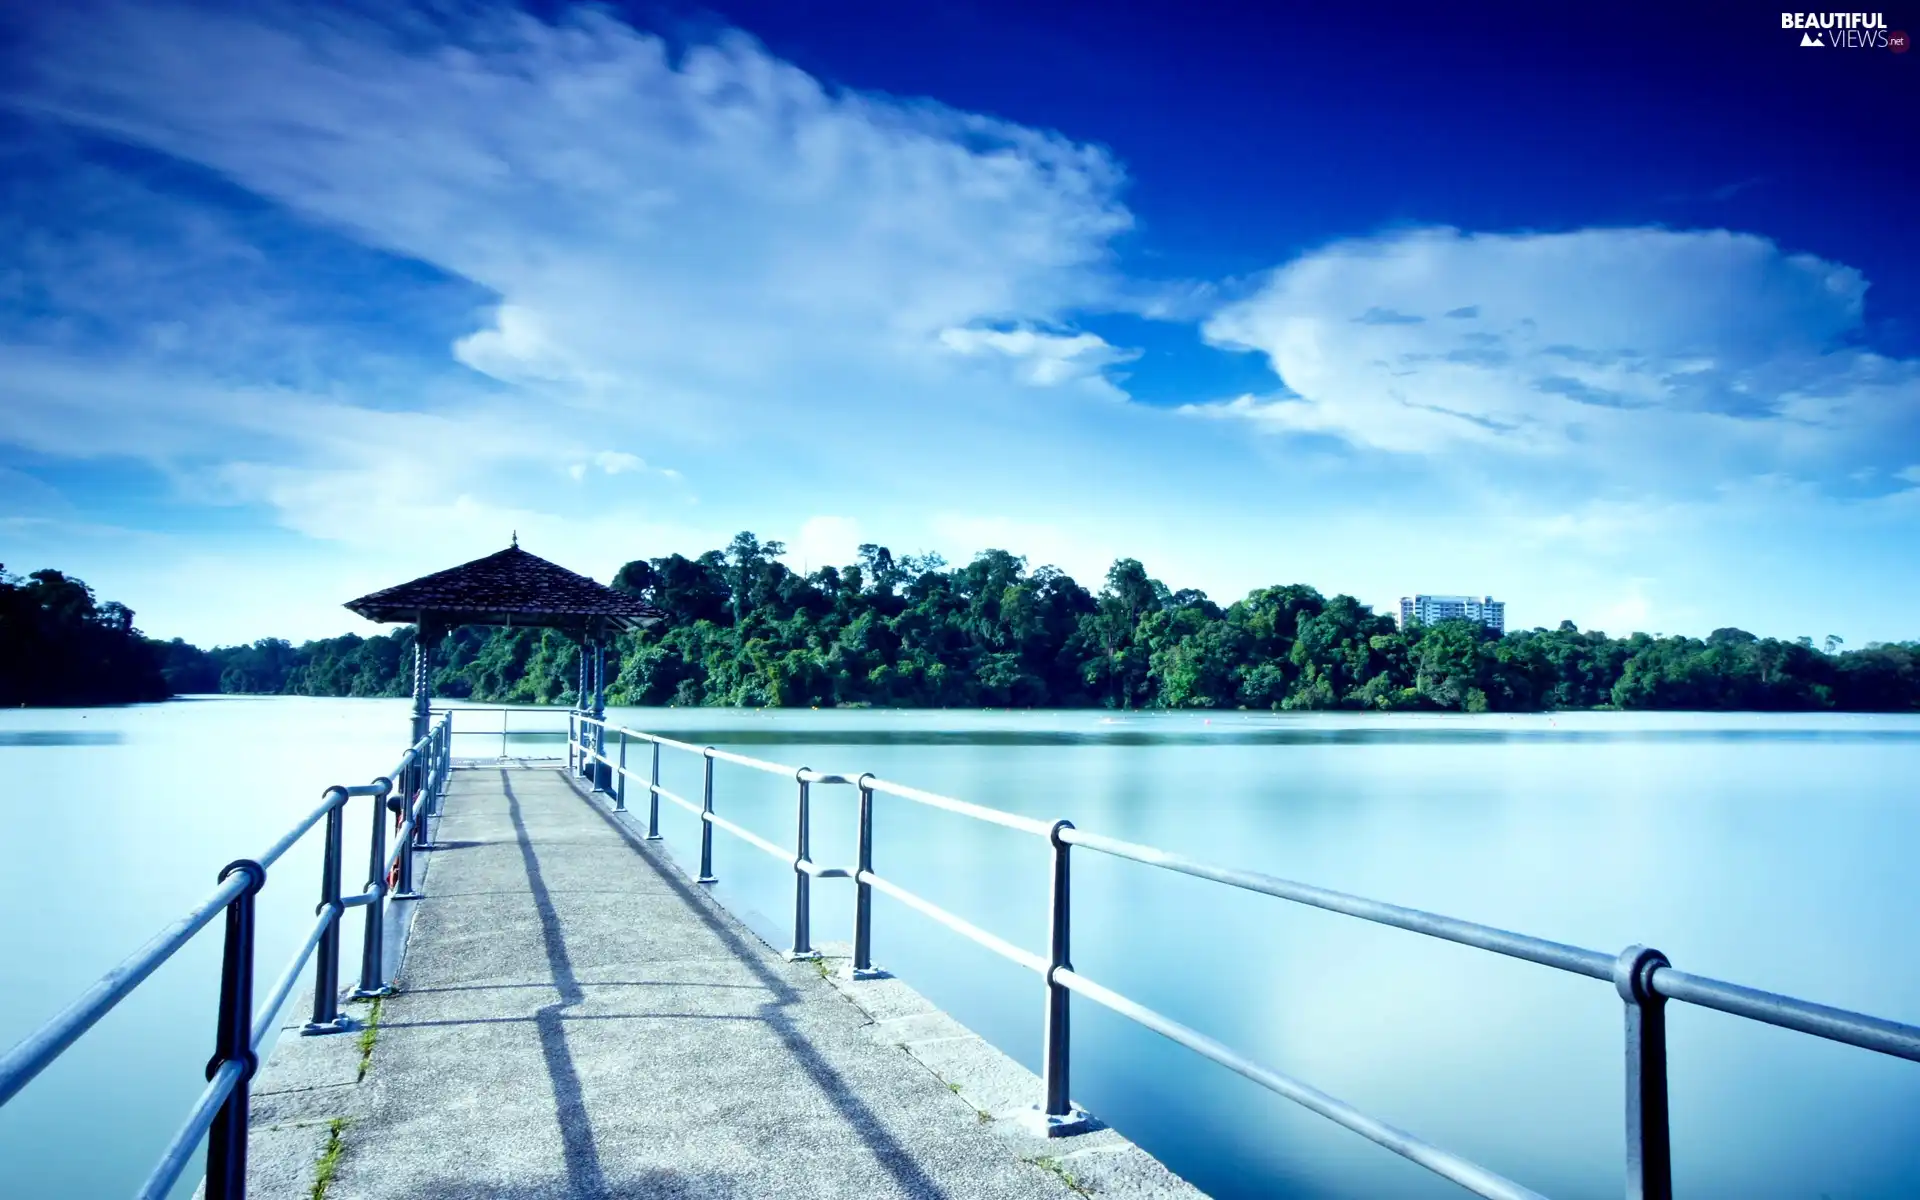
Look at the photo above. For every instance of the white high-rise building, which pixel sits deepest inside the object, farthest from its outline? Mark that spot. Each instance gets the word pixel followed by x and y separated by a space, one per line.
pixel 1429 610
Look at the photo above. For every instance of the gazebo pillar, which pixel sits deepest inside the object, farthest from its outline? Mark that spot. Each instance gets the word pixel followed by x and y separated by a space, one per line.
pixel 602 773
pixel 423 638
pixel 580 702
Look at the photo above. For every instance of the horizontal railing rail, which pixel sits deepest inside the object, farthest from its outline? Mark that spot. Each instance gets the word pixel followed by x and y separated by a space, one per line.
pixel 1643 978
pixel 412 793
pixel 506 714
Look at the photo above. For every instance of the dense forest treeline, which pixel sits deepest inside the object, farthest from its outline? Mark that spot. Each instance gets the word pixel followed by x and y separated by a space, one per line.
pixel 912 631
pixel 58 645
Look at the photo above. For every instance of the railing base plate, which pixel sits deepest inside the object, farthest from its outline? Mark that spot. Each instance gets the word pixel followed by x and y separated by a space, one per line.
pixel 708 879
pixel 379 993
pixel 801 955
pixel 340 1024
pixel 1078 1120
pixel 860 973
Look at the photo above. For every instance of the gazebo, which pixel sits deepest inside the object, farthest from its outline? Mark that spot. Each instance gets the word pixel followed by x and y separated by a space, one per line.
pixel 516 589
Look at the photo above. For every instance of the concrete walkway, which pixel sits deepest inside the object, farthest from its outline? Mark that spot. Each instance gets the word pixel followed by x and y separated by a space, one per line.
pixel 577 1019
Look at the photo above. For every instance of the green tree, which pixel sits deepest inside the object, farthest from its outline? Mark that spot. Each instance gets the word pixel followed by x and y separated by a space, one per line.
pixel 909 630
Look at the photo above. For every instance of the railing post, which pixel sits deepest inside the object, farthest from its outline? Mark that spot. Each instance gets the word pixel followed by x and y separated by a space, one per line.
pixel 596 766
pixel 421 802
pixel 653 798
pixel 1649 1148
pixel 504 714
pixel 1056 1042
pixel 586 752
pixel 438 763
pixel 1058 1117
pixel 572 726
pixel 233 1041
pixel 620 777
pixel 372 947
pixel 802 882
pixel 446 765
pixel 862 965
pixel 402 805
pixel 412 807
pixel 706 825
pixel 580 689
pixel 326 956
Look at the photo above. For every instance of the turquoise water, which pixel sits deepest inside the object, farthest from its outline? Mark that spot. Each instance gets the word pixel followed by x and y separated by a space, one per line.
pixel 1771 851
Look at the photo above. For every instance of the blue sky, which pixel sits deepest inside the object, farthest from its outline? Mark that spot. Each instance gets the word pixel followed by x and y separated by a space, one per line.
pixel 1611 312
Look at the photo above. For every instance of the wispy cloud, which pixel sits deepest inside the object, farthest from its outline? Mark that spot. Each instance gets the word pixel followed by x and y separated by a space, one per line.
pixel 1041 358
pixel 707 254
pixel 690 223
pixel 610 462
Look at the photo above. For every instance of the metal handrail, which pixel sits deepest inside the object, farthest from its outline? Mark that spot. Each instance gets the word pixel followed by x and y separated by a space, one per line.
pixel 220 1113
pixel 506 712
pixel 1643 978
pixel 1450 1166
pixel 1467 933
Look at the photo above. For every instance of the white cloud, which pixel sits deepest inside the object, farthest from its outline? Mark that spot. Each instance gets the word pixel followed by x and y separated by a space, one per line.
pixel 667 229
pixel 1079 552
pixel 333 470
pixel 824 541
pixel 715 260
pixel 1043 359
pixel 617 462
pixel 1634 351
pixel 518 349
pixel 1628 612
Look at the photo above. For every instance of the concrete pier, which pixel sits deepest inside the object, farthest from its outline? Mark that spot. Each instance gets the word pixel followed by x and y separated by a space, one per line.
pixel 576 1018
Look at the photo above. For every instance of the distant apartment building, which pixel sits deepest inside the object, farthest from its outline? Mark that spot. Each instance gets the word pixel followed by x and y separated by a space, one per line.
pixel 1429 610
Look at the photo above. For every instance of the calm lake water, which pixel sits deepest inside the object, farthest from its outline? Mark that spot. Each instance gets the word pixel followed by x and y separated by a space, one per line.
pixel 1770 851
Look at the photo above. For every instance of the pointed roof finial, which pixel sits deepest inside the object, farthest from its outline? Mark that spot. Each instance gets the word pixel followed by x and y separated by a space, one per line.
pixel 516 539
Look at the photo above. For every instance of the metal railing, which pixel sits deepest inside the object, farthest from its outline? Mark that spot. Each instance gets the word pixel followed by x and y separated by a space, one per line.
pixel 1643 978
pixel 413 793
pixel 506 714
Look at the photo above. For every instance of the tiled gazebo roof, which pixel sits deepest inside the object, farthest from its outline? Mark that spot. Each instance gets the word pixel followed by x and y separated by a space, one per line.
pixel 508 588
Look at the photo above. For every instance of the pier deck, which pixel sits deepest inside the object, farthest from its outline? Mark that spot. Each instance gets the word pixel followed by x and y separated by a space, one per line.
pixel 575 1018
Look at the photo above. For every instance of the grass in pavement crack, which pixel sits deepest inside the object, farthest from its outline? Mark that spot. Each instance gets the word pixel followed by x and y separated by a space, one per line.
pixel 368 1035
pixel 329 1163
pixel 1054 1166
